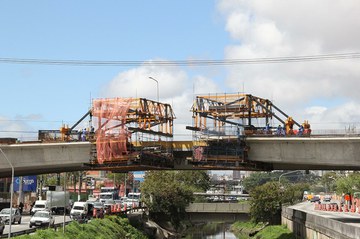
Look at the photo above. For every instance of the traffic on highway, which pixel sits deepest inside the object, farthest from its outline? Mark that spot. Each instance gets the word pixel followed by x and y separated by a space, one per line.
pixel 24 225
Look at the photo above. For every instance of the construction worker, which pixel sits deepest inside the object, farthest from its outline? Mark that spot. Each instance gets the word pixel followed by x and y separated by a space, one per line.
pixel 279 130
pixel 83 135
pixel 267 129
pixel 301 130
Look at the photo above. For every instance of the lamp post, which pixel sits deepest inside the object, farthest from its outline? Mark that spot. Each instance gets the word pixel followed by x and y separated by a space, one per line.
pixel 11 190
pixel 157 86
pixel 288 173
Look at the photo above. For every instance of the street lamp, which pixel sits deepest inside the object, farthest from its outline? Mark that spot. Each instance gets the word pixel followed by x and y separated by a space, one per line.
pixel 11 190
pixel 157 86
pixel 288 173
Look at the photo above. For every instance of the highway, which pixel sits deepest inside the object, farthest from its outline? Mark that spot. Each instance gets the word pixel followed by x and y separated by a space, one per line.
pixel 25 224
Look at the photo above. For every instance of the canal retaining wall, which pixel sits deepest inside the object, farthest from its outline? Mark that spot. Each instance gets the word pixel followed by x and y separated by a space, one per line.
pixel 307 225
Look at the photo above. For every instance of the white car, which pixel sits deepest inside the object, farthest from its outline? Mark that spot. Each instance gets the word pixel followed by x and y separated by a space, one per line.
pixel 15 217
pixel 42 219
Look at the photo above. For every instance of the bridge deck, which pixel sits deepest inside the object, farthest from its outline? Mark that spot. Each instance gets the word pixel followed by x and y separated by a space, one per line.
pixel 310 153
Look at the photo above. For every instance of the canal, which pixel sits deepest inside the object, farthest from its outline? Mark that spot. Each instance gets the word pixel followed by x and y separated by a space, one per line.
pixel 210 231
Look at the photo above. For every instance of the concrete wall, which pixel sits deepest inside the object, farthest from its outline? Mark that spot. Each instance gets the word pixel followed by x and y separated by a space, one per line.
pixel 218 212
pixel 306 152
pixel 219 207
pixel 311 226
pixel 40 158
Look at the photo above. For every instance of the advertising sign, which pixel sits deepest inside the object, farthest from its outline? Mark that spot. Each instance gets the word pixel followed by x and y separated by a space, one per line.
pixel 29 183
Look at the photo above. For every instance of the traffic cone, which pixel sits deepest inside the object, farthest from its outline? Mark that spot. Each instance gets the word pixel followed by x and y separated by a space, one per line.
pixel 340 208
pixel 352 208
pixel 346 208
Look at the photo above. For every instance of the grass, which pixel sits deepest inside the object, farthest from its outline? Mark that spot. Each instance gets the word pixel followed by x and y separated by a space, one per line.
pixel 248 230
pixel 275 232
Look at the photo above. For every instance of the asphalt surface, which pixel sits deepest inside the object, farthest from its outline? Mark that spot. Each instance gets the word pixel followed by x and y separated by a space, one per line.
pixel 25 223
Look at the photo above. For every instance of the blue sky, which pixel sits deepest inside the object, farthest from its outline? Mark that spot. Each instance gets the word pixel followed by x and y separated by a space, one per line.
pixel 43 97
pixel 83 30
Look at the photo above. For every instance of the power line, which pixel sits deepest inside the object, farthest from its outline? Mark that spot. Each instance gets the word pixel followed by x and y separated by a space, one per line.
pixel 225 62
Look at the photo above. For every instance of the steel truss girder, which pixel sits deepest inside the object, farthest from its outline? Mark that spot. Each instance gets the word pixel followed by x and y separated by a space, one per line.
pixel 143 113
pixel 227 108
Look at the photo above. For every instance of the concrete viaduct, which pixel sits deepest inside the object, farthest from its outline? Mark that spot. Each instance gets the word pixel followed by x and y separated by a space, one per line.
pixel 278 153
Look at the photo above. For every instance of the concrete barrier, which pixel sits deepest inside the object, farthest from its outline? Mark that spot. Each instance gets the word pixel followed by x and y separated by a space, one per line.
pixel 306 225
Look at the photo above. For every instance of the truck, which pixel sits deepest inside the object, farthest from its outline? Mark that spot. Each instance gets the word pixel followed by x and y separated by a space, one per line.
pixel 39 206
pixel 108 193
pixel 134 199
pixel 80 211
pixel 56 201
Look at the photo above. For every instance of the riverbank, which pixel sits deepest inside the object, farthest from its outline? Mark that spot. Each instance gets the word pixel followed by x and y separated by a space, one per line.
pixel 244 230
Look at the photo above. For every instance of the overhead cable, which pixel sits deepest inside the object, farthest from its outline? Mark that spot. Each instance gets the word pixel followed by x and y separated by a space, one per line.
pixel 194 62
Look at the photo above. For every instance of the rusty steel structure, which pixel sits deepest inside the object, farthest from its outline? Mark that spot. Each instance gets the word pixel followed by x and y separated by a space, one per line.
pixel 132 133
pixel 221 123
pixel 129 131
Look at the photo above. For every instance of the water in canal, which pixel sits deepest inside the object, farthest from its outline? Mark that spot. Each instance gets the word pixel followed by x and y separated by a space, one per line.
pixel 210 231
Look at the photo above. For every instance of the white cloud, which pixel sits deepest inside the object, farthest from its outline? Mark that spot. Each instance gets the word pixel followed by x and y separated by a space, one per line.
pixel 175 88
pixel 294 28
pixel 16 129
pixel 136 83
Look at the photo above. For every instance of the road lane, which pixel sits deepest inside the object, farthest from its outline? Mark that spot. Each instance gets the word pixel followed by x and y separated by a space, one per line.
pixel 25 223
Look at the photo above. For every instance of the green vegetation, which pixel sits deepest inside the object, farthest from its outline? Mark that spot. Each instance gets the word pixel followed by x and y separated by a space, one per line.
pixel 266 200
pixel 245 230
pixel 268 195
pixel 260 178
pixel 168 193
pixel 349 184
pixel 108 228
pixel 275 232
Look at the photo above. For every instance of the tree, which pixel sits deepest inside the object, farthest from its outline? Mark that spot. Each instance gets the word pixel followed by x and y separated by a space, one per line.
pixel 329 181
pixel 265 204
pixel 170 192
pixel 260 178
pixel 349 184
pixel 293 193
pixel 266 200
pixel 257 179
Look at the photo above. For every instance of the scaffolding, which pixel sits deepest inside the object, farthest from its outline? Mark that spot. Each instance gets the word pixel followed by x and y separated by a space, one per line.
pixel 130 130
pixel 221 123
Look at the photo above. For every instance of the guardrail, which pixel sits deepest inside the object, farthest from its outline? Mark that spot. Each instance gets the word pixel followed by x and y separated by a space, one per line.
pixel 32 230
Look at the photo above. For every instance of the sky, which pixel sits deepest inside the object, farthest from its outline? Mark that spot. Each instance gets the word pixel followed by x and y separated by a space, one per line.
pixel 40 96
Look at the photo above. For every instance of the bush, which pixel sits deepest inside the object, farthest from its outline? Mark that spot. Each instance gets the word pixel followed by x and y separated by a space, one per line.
pixel 107 228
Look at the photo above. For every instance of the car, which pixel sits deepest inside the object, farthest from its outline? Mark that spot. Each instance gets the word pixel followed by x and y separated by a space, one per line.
pixel 327 198
pixel 42 219
pixel 15 217
pixel 98 205
pixel 315 199
pixel 2 226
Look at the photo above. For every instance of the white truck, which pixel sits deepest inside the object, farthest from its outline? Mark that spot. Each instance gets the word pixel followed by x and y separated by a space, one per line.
pixel 39 206
pixel 56 201
pixel 79 211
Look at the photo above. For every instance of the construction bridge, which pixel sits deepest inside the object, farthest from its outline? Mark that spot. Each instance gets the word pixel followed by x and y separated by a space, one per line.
pixel 135 134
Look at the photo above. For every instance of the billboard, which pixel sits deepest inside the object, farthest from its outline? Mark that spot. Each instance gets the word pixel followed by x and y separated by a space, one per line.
pixel 29 183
